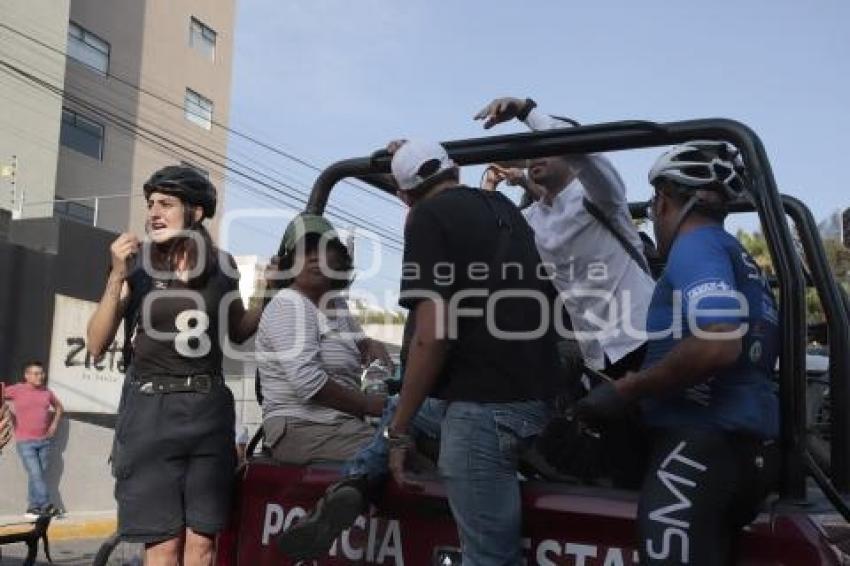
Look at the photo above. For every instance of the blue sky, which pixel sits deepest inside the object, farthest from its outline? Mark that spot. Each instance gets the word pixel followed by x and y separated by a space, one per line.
pixel 331 79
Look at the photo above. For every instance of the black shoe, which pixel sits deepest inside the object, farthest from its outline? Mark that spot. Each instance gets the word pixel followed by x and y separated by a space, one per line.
pixel 51 510
pixel 312 536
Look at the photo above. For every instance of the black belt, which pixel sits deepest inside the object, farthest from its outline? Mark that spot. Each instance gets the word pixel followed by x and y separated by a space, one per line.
pixel 197 383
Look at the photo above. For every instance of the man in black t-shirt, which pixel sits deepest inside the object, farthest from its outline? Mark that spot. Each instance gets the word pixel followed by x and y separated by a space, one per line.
pixel 483 342
pixel 470 260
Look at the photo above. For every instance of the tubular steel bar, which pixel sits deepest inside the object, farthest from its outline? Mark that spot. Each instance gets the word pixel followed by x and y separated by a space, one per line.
pixel 838 327
pixel 635 135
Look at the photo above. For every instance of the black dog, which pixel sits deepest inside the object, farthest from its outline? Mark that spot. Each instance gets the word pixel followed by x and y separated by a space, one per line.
pixel 31 537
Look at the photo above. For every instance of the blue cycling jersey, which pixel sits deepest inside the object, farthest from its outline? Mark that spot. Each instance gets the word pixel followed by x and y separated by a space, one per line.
pixel 710 278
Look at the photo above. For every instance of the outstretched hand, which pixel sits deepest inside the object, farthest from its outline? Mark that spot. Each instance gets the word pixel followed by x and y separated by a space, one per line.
pixel 500 110
pixel 495 174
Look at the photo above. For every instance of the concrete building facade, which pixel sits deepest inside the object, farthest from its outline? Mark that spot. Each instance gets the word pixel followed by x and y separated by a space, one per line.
pixel 94 96
pixel 145 83
pixel 30 115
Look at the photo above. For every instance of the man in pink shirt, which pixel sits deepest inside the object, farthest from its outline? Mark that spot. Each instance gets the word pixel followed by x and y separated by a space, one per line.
pixel 35 426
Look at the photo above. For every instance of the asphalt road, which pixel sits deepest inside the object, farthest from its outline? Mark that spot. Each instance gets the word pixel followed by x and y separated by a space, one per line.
pixel 77 552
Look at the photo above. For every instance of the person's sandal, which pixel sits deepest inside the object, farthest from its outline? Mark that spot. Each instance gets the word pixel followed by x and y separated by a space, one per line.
pixel 336 510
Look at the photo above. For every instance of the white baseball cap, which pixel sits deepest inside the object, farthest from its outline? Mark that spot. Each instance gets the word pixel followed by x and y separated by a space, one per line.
pixel 418 161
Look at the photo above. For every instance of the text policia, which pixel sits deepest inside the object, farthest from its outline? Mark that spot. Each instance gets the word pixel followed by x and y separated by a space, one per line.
pixel 375 540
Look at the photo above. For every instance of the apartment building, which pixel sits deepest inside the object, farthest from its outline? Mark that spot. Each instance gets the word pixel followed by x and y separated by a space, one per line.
pixel 143 84
pixel 30 114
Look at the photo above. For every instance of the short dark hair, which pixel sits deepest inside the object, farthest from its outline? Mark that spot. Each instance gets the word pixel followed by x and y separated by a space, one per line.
pixel 311 243
pixel 30 363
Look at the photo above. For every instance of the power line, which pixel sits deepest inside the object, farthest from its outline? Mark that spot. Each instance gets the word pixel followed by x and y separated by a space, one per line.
pixel 381 221
pixel 169 139
pixel 154 137
pixel 152 140
pixel 225 127
pixel 236 183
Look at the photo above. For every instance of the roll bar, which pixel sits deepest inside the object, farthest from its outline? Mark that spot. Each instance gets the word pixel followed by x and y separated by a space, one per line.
pixel 833 299
pixel 767 203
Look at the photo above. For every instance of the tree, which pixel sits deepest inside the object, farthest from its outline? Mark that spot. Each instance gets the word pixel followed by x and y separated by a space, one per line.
pixel 837 257
pixel 756 245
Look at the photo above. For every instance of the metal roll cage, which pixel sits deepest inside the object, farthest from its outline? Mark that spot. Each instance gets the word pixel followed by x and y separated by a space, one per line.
pixel 771 207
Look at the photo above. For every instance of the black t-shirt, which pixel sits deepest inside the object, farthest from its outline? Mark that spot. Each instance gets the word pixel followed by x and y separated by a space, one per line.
pixel 465 242
pixel 179 330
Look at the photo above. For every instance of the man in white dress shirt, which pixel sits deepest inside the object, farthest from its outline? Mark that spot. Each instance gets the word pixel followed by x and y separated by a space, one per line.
pixel 584 231
pixel 606 289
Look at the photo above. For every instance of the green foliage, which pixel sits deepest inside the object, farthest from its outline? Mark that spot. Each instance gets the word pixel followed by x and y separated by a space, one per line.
pixel 837 256
pixel 756 245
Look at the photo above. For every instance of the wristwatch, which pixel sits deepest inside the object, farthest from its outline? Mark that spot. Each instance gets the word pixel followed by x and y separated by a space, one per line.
pixel 397 440
pixel 527 107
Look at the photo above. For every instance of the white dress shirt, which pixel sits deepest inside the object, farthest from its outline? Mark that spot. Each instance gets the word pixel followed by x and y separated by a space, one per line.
pixel 605 291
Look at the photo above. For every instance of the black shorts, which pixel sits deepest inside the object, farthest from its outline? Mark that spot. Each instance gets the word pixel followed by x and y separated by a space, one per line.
pixel 174 461
pixel 701 487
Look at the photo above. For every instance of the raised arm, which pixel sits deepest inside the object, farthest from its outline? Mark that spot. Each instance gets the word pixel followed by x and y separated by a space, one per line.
pixel 104 323
pixel 242 322
pixel 595 171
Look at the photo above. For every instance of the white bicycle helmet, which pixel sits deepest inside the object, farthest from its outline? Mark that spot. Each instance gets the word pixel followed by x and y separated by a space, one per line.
pixel 702 165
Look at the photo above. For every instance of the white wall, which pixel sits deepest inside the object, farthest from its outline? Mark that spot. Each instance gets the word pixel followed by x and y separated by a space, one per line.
pixel 79 478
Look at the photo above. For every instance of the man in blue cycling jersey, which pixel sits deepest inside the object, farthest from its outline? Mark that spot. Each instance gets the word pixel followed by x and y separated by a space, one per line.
pixel 704 388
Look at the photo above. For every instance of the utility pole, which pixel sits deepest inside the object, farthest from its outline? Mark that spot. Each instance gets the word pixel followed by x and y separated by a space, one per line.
pixel 11 171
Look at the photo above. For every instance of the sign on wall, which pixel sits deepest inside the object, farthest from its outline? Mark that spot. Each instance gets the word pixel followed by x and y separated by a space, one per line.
pixel 82 383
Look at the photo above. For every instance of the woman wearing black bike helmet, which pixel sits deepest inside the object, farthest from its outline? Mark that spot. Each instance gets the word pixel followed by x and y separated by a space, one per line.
pixel 173 457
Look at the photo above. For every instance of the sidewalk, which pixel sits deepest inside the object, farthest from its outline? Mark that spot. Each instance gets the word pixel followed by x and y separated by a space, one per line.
pixel 70 526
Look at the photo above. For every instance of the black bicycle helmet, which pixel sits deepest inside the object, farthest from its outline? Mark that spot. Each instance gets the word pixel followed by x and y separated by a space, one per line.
pixel 186 183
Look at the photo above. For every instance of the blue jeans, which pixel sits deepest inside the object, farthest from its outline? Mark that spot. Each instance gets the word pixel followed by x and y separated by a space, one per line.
pixel 34 454
pixel 479 452
pixel 373 459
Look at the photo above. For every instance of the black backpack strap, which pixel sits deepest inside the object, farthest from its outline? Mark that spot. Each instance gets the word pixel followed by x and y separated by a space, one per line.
pixel 140 283
pixel 504 230
pixel 636 255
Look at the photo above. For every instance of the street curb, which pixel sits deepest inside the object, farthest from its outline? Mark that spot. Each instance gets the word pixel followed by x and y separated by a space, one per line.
pixel 61 530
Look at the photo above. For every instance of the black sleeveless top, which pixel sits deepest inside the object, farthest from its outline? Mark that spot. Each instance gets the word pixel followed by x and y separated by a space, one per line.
pixel 179 330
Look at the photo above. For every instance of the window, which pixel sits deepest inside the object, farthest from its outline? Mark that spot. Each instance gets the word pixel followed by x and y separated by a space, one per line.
pixel 202 38
pixel 198 109
pixel 81 134
pixel 73 210
pixel 200 170
pixel 87 48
